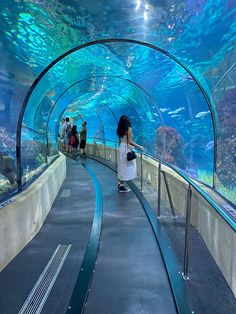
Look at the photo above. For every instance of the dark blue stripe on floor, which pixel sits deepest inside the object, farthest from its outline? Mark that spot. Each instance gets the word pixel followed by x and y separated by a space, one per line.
pixel 177 284
pixel 175 277
pixel 82 285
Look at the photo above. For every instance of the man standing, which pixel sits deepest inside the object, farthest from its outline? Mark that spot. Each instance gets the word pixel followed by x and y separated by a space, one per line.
pixel 61 135
pixel 83 137
pixel 66 134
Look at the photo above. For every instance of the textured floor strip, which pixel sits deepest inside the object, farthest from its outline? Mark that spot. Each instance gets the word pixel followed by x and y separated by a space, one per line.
pixel 81 289
pixel 39 294
pixel 65 193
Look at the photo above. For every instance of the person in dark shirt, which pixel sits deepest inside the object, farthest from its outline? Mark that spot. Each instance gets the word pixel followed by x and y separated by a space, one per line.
pixel 74 140
pixel 83 138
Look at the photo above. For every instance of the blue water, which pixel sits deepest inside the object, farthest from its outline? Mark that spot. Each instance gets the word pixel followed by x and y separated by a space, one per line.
pixel 170 115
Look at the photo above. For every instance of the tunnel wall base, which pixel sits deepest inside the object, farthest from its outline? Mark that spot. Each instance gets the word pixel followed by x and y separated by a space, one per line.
pixel 218 236
pixel 24 216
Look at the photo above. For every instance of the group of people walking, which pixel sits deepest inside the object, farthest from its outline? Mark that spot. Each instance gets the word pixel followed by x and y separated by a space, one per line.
pixel 72 139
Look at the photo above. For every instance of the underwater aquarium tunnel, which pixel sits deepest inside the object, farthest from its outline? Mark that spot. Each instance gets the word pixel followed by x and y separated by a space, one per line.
pixel 170 66
pixel 170 110
pixel 171 113
pixel 177 83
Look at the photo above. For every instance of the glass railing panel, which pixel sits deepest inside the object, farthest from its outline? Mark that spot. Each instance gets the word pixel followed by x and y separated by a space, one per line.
pixel 33 153
pixel 7 162
pixel 52 148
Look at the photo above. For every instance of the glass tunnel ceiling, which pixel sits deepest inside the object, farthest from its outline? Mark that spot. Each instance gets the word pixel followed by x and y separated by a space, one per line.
pixel 161 98
pixel 200 34
pixel 196 31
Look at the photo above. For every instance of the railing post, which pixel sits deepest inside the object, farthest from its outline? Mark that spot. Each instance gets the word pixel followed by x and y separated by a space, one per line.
pixel 105 153
pixel 116 156
pixel 46 150
pixel 19 166
pixel 169 195
pixel 187 229
pixel 141 172
pixel 159 191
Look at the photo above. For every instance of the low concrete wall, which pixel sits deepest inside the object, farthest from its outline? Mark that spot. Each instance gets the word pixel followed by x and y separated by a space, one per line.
pixel 218 236
pixel 216 233
pixel 22 219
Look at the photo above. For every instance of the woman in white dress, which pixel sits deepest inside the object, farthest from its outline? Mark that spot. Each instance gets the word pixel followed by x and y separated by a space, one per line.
pixel 126 169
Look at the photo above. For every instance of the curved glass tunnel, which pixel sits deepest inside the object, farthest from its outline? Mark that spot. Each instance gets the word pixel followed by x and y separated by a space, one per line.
pixel 174 123
pixel 169 111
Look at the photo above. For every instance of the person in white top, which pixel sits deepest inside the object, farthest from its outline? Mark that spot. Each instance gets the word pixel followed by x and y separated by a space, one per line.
pixel 66 134
pixel 126 169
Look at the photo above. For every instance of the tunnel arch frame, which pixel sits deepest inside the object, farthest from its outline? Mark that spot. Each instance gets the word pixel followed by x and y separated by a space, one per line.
pixel 103 105
pixel 79 114
pixel 109 76
pixel 99 106
pixel 105 41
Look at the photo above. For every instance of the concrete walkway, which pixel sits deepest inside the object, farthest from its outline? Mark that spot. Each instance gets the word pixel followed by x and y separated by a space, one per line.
pixel 129 274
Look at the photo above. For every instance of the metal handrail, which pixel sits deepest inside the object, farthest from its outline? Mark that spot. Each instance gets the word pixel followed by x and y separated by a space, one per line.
pixel 33 130
pixel 102 139
pixel 190 181
pixel 191 184
pixel 185 273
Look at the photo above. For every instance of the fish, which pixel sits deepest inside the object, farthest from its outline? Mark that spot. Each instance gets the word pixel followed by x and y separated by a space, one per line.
pixel 188 122
pixel 177 110
pixel 202 114
pixel 209 145
pixel 176 115
pixel 164 109
pixel 185 77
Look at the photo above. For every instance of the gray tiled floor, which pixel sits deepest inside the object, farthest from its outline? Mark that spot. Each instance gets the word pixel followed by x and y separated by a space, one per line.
pixel 130 276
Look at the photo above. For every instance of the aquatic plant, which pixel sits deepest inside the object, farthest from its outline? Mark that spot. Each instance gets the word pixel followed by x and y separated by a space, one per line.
pixel 205 177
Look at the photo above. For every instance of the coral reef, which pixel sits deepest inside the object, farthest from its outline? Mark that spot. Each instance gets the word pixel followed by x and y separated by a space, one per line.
pixel 170 145
pixel 226 146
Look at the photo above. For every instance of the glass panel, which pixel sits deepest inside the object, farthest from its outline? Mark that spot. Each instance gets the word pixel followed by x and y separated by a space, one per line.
pixel 176 121
pixel 34 153
pixel 188 134
pixel 33 34
pixel 52 146
pixel 225 97
pixel 95 128
pixel 109 120
pixel 7 161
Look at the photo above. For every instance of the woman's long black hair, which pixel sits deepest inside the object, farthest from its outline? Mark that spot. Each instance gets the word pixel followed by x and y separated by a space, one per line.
pixel 74 130
pixel 123 125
